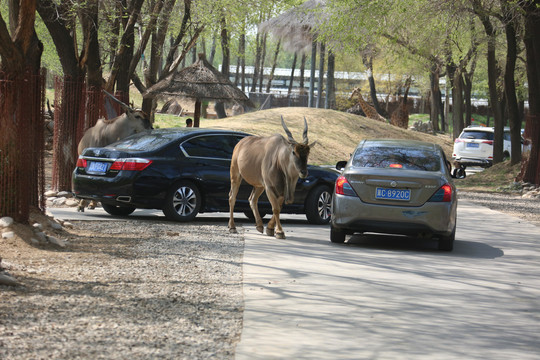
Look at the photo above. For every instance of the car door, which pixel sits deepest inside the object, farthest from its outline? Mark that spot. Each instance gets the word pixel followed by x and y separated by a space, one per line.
pixel 210 155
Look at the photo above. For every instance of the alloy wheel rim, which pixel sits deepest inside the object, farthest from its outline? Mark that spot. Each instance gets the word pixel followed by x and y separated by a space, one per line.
pixel 184 201
pixel 324 204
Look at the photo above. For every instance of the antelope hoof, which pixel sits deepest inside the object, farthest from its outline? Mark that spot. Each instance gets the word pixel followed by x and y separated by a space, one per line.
pixel 260 229
pixel 280 235
pixel 269 232
pixel 233 231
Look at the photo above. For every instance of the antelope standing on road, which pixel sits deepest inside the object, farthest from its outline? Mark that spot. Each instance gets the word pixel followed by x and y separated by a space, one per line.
pixel 272 164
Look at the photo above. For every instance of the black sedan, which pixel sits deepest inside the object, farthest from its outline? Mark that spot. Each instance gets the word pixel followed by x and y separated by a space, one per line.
pixel 183 172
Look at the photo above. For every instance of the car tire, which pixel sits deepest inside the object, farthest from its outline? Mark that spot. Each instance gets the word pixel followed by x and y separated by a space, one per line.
pixel 118 210
pixel 446 243
pixel 182 202
pixel 318 205
pixel 460 173
pixel 337 236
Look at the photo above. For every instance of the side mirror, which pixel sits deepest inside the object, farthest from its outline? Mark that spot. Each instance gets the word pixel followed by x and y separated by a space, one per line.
pixel 458 173
pixel 341 165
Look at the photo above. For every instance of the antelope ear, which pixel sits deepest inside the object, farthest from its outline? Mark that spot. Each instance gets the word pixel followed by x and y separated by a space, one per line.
pixel 312 144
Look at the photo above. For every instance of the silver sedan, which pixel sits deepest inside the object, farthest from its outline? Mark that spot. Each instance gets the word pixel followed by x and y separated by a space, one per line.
pixel 395 187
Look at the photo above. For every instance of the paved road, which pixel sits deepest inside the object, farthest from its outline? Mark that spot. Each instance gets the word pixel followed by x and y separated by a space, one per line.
pixel 386 297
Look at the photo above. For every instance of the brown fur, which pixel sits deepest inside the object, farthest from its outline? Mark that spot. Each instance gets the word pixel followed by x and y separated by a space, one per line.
pixel 272 164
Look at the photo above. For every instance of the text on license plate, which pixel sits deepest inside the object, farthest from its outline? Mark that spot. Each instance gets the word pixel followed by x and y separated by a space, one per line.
pixel 473 145
pixel 393 194
pixel 97 167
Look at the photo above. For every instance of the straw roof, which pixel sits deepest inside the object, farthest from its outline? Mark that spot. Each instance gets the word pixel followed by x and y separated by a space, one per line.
pixel 200 81
pixel 297 27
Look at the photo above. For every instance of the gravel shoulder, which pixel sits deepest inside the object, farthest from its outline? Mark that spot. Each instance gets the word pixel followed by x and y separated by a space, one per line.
pixel 512 204
pixel 124 289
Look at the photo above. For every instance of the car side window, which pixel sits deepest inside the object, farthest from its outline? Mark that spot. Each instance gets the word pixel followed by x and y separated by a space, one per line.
pixel 211 146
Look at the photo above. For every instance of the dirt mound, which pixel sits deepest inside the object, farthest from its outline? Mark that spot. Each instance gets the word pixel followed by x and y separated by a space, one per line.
pixel 337 133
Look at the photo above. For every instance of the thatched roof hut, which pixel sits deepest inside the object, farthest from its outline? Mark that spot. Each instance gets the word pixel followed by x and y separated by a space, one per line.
pixel 297 27
pixel 200 81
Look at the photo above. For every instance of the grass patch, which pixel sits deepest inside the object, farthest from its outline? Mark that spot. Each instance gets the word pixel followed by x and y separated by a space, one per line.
pixel 497 178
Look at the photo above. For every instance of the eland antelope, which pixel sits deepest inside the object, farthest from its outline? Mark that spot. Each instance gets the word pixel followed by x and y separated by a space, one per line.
pixel 106 132
pixel 272 164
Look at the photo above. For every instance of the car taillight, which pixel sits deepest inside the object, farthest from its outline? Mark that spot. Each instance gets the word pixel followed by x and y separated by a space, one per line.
pixel 133 164
pixel 81 162
pixel 489 142
pixel 444 194
pixel 458 140
pixel 343 187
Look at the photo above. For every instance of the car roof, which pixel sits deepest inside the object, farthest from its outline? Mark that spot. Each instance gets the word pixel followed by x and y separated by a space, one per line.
pixel 183 131
pixel 399 143
pixel 483 128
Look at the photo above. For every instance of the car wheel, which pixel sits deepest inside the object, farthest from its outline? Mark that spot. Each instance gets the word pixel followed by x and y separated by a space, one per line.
pixel 119 210
pixel 506 156
pixel 336 235
pixel 182 202
pixel 318 205
pixel 446 243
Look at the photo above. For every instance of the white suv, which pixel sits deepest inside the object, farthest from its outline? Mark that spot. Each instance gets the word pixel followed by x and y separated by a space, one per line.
pixel 474 147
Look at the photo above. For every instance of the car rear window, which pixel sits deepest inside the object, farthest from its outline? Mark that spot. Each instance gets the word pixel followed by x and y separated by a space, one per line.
pixel 148 142
pixel 480 135
pixel 424 158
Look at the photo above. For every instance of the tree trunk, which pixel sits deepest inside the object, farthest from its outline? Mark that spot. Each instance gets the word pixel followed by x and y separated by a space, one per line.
pixel 257 62
pixel 434 98
pixel 467 93
pixel 274 63
pixel 241 54
pixel 311 97
pixel 493 75
pixel 243 63
pixel 263 56
pixel 302 74
pixel 510 87
pixel 321 76
pixel 530 171
pixel 330 88
pixel 457 104
pixel 367 60
pixel 212 51
pixel 220 106
pixel 291 78
pixel 21 121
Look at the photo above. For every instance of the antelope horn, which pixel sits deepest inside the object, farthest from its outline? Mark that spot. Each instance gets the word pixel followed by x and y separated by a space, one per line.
pixel 305 132
pixel 126 107
pixel 289 135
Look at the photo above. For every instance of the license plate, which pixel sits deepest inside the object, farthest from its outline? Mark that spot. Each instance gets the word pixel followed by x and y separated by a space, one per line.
pixel 97 167
pixel 393 194
pixel 473 145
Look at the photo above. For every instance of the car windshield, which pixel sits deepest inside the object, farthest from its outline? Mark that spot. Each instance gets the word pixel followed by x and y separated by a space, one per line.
pixel 480 135
pixel 145 142
pixel 421 158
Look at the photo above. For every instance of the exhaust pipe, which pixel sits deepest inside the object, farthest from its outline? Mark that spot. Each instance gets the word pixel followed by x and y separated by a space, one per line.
pixel 126 199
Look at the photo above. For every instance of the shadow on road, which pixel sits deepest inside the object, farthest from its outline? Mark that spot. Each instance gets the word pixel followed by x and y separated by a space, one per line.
pixel 462 248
